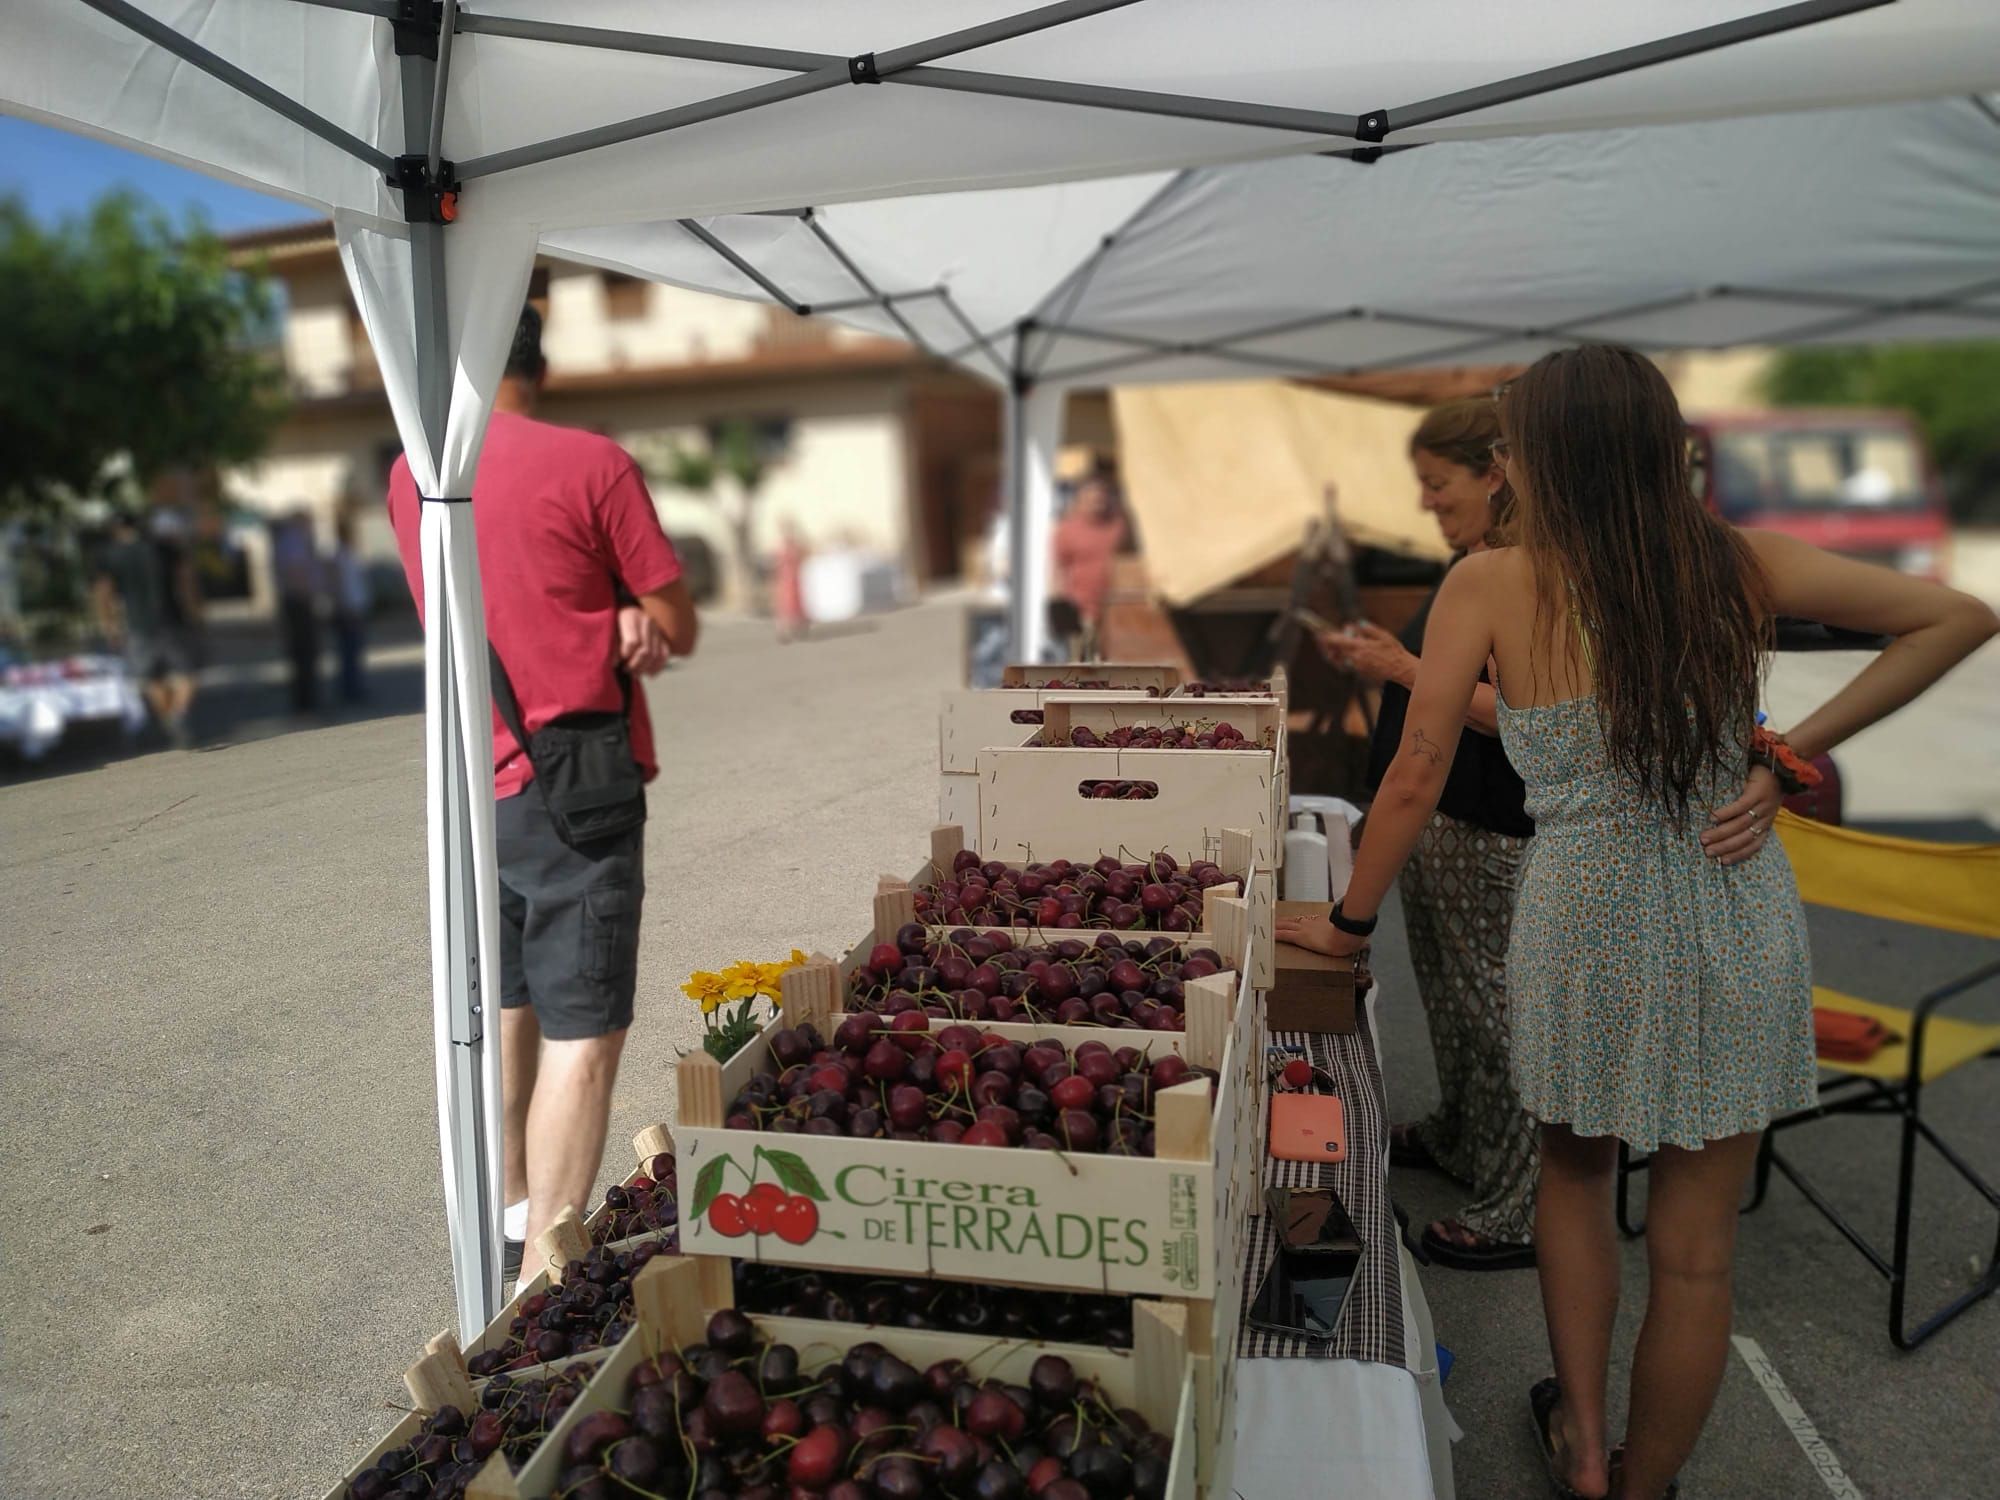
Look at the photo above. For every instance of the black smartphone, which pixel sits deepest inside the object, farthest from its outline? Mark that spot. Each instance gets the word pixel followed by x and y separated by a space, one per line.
pixel 1313 1223
pixel 1307 1302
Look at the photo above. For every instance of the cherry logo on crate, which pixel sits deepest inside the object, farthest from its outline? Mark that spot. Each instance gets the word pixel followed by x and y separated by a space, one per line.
pixel 788 1208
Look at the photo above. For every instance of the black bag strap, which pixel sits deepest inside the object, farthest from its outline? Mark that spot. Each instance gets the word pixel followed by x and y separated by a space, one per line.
pixel 507 703
pixel 510 706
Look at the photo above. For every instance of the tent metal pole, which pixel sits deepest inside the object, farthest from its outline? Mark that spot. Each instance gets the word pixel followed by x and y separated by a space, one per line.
pixel 1073 284
pixel 698 113
pixel 980 341
pixel 1004 29
pixel 1136 101
pixel 869 67
pixel 850 304
pixel 1021 627
pixel 224 71
pixel 475 1238
pixel 382 9
pixel 1623 60
pixel 1148 352
pixel 646 44
pixel 860 277
pixel 905 66
pixel 817 72
pixel 769 287
pixel 435 143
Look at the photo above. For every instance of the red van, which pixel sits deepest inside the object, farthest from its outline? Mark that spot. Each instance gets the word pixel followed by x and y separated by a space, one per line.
pixel 1859 482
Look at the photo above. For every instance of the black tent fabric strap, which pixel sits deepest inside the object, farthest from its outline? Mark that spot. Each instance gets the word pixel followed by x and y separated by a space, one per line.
pixel 1371 1324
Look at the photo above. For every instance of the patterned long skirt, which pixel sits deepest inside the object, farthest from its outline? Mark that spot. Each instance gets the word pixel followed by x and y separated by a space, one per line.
pixel 1458 906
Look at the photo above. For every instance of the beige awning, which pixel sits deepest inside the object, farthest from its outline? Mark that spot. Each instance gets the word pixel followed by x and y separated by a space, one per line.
pixel 1224 479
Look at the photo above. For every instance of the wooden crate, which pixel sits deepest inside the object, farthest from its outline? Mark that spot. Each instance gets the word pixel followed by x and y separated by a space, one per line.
pixel 1158 1377
pixel 1158 677
pixel 973 719
pixel 647 1144
pixel 895 903
pixel 1277 685
pixel 1095 1223
pixel 494 1335
pixel 1259 720
pixel 1030 807
pixel 439 1379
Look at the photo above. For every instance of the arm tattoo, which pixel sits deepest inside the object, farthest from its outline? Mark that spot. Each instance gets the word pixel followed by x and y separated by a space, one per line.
pixel 1422 744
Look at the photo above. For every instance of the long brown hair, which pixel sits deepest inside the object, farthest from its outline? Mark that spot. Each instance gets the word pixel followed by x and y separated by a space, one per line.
pixel 1671 609
pixel 1463 433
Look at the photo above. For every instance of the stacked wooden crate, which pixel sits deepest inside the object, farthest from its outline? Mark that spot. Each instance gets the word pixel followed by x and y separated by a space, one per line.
pixel 971 719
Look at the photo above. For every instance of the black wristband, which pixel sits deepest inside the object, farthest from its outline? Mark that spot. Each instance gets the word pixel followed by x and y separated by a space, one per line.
pixel 1352 926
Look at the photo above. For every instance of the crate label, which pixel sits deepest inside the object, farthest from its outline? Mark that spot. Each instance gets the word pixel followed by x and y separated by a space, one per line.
pixel 1106 1222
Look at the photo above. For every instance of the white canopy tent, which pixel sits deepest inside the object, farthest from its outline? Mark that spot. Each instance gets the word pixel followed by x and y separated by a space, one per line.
pixel 447 140
pixel 1875 223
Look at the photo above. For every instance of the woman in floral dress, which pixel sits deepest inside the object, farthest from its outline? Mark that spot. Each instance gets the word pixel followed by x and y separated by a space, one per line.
pixel 1658 971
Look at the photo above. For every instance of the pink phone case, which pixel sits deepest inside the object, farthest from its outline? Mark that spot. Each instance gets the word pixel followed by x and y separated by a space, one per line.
pixel 1308 1127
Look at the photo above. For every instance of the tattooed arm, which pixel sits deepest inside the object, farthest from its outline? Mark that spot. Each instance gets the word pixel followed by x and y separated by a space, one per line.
pixel 1456 644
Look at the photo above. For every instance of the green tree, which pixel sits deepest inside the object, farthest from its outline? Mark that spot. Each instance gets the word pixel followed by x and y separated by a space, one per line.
pixel 129 347
pixel 1953 390
pixel 734 452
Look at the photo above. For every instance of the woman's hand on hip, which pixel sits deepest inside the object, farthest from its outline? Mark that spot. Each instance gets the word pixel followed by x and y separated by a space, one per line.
pixel 1743 827
pixel 1320 935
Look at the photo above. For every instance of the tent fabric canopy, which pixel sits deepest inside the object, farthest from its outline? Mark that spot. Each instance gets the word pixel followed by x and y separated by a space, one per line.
pixel 550 119
pixel 767 113
pixel 1878 222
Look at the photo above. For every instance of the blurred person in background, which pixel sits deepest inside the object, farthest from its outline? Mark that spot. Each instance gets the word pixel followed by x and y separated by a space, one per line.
pixel 1087 539
pixel 583 594
pixel 1459 885
pixel 788 583
pixel 295 568
pixel 352 600
pixel 148 605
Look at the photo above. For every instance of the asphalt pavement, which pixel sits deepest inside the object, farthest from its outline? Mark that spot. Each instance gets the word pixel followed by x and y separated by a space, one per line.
pixel 221 1187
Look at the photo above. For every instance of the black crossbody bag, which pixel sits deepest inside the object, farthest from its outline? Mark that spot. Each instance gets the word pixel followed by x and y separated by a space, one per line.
pixel 583 764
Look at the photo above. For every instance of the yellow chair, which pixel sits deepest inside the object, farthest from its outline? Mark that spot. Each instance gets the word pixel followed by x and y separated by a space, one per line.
pixel 1944 887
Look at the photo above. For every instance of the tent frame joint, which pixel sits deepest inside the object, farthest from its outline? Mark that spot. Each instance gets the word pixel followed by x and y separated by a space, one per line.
pixel 861 68
pixel 417 25
pixel 1373 127
pixel 428 198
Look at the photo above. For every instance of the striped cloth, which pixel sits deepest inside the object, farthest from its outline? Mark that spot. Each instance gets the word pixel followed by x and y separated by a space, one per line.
pixel 1371 1323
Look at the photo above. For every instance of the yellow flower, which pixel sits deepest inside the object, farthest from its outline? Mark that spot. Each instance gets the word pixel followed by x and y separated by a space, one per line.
pixel 770 980
pixel 706 990
pixel 741 980
pixel 797 960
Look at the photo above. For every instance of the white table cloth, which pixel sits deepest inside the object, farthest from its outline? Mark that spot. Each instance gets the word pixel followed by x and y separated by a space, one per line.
pixel 1352 1428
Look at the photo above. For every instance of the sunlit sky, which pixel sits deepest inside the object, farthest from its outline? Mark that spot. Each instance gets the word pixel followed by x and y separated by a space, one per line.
pixel 58 174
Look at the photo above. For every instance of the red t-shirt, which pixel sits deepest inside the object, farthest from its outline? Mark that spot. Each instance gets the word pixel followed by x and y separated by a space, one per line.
pixel 562 517
pixel 1084 550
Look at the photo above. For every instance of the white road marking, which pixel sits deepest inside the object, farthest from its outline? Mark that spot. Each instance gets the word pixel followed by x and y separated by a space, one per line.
pixel 1796 1421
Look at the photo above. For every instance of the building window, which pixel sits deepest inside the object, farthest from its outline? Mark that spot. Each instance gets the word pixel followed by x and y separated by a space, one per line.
pixel 625 297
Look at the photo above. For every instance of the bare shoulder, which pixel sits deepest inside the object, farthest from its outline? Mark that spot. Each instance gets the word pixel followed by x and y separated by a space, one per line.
pixel 1498 572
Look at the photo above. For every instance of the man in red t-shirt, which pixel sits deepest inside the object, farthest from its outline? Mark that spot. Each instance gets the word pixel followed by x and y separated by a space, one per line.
pixel 581 586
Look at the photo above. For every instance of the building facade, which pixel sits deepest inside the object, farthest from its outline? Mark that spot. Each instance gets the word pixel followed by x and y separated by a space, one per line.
pixel 868 446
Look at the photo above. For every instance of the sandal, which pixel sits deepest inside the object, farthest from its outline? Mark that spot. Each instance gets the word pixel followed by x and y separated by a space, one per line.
pixel 1481 1254
pixel 1618 1460
pixel 1543 1398
pixel 1407 1149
